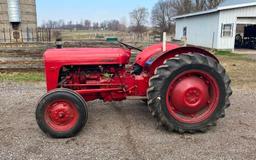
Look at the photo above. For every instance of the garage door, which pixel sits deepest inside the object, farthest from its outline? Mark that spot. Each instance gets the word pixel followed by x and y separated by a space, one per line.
pixel 246 20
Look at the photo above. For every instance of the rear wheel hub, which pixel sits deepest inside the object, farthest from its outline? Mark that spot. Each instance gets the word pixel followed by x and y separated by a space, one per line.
pixel 190 95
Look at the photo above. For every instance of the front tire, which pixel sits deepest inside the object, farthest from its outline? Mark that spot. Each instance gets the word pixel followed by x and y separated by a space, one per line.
pixel 189 93
pixel 61 113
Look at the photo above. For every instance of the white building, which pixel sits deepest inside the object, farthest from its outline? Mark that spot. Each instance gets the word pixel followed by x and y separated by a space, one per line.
pixel 216 28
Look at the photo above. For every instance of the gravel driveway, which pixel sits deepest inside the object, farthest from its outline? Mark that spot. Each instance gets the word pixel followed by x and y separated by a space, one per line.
pixel 123 130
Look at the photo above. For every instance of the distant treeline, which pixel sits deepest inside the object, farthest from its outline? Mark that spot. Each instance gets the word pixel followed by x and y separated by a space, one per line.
pixel 112 25
pixel 160 20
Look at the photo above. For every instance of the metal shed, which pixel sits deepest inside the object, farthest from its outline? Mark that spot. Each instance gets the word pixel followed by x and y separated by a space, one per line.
pixel 217 28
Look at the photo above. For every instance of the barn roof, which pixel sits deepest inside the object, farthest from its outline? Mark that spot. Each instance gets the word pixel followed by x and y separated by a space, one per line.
pixel 227 4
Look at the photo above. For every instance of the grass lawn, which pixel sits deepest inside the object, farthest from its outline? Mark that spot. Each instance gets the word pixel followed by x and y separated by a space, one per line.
pixel 241 69
pixel 22 76
pixel 83 35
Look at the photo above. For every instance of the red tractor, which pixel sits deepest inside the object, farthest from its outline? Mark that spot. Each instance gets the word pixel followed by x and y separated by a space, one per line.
pixel 186 88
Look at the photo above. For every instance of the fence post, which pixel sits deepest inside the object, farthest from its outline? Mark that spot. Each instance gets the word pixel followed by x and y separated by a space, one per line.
pixel 50 36
pixel 42 32
pixel 32 32
pixel 4 35
pixel 21 32
pixel 27 34
pixel 37 35
pixel 10 35
pixel 40 36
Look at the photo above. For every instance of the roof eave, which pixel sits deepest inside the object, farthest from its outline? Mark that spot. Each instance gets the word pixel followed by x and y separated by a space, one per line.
pixel 196 14
pixel 237 6
pixel 215 10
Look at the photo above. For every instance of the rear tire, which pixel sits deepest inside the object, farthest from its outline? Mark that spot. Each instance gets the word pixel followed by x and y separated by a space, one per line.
pixel 180 107
pixel 145 101
pixel 61 113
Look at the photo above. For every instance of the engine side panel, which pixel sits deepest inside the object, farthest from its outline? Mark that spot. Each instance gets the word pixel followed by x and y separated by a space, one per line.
pixel 55 59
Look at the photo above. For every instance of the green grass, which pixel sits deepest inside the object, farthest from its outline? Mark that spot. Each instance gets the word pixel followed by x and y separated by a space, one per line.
pixel 226 53
pixel 22 76
pixel 84 35
pixel 231 55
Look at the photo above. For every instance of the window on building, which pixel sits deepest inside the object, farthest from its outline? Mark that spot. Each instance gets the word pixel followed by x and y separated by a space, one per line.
pixel 184 31
pixel 227 30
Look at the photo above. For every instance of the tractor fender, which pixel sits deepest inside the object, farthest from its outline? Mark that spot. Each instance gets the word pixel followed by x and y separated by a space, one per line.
pixel 151 51
pixel 158 59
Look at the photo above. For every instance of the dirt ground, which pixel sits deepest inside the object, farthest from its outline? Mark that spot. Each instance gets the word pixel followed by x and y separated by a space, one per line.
pixel 126 130
pixel 122 130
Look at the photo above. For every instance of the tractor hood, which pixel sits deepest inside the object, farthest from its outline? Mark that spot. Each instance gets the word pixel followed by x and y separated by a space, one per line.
pixel 87 56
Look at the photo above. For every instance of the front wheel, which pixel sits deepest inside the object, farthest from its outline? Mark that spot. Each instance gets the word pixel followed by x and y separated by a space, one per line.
pixel 61 113
pixel 189 93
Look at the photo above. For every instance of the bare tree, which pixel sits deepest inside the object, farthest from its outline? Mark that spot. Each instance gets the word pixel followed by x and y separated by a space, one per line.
pixel 182 6
pixel 69 25
pixel 164 10
pixel 87 24
pixel 139 19
pixel 61 23
pixel 213 3
pixel 188 6
pixel 199 5
pixel 161 16
pixel 104 25
pixel 113 25
pixel 95 25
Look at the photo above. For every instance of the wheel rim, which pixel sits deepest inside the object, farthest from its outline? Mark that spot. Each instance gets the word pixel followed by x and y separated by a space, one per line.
pixel 61 115
pixel 192 96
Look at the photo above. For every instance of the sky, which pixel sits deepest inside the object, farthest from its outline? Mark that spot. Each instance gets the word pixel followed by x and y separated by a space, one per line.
pixel 94 10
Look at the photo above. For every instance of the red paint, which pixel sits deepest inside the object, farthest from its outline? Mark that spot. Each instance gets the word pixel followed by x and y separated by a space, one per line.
pixel 57 58
pixel 150 51
pixel 158 59
pixel 116 88
pixel 61 115
pixel 189 95
pixel 192 96
pixel 87 56
pixel 89 91
pixel 120 83
pixel 90 85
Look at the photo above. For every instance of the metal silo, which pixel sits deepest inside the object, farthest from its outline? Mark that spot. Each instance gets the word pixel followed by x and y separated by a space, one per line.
pixel 14 11
pixel 18 21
